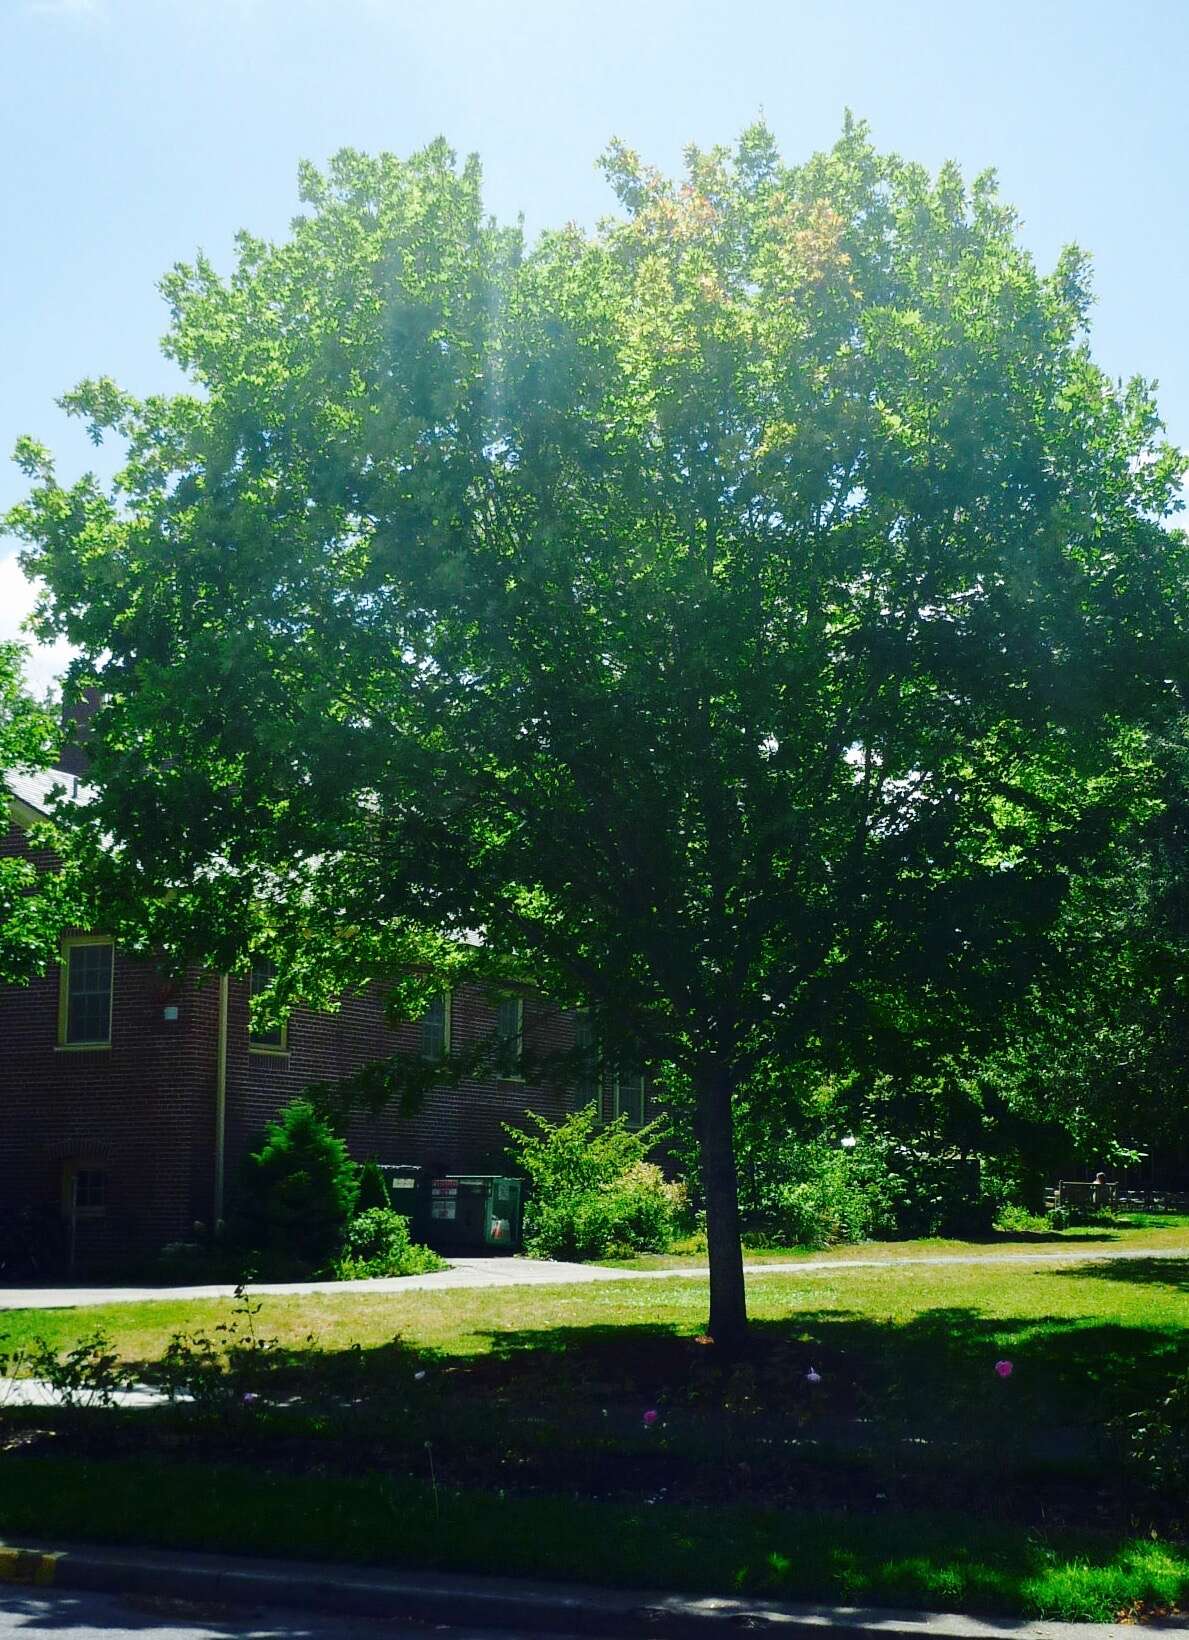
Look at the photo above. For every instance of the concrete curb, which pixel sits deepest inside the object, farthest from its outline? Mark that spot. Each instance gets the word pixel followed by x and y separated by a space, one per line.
pixel 489 1602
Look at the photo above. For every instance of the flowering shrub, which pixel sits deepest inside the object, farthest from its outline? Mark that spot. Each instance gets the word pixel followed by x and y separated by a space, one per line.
pixel 594 1194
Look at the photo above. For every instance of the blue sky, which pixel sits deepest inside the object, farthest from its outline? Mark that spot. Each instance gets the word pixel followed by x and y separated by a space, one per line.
pixel 135 131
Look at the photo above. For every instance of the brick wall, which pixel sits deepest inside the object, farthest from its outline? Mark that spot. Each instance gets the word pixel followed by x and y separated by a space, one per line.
pixel 143 1110
pixel 139 1110
pixel 459 1129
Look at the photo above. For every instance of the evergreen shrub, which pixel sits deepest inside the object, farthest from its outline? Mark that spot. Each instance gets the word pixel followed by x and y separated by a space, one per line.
pixel 298 1190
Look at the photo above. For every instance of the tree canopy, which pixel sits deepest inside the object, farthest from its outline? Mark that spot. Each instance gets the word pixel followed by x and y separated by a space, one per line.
pixel 35 902
pixel 746 615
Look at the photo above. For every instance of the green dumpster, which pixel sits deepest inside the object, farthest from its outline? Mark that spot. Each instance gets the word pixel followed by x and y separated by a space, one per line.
pixel 475 1210
pixel 407 1190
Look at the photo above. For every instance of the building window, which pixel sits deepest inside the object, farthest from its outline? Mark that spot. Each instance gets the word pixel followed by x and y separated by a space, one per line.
pixel 588 1079
pixel 509 1030
pixel 84 999
pixel 84 1191
pixel 435 1028
pixel 629 1099
pixel 266 1038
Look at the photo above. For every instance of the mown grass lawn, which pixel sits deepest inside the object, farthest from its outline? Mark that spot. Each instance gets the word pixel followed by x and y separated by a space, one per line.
pixel 1132 1230
pixel 909 1471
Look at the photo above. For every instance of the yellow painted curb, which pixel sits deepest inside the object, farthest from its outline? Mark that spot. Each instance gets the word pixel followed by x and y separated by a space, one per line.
pixel 27 1566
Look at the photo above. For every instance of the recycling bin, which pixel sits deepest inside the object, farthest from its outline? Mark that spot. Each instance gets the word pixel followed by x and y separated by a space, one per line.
pixel 475 1210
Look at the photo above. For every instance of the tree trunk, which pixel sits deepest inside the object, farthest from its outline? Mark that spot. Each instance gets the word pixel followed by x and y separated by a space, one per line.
pixel 720 1183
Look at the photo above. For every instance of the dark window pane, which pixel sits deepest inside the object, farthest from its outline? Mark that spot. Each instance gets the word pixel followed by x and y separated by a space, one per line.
pixel 90 1188
pixel 263 974
pixel 629 1099
pixel 588 1082
pixel 88 998
pixel 433 1029
pixel 509 1026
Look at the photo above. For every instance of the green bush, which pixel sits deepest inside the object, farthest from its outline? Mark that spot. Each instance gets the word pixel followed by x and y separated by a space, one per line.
pixel 377 1243
pixel 594 1194
pixel 298 1190
pixel 935 1194
pixel 226 1374
pixel 813 1193
pixel 1158 1439
pixel 826 1195
pixel 373 1188
pixel 1013 1218
pixel 88 1375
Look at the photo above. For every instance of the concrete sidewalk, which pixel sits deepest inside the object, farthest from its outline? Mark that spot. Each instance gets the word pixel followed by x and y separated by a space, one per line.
pixel 490 1602
pixel 480 1272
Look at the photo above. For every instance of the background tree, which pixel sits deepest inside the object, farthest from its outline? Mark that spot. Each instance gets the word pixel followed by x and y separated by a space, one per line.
pixel 36 896
pixel 1100 1051
pixel 742 614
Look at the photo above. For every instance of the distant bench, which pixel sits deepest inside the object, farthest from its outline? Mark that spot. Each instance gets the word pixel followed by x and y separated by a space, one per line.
pixel 1085 1193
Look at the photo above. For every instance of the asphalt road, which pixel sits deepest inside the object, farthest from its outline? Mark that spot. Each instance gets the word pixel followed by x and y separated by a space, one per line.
pixel 66 1616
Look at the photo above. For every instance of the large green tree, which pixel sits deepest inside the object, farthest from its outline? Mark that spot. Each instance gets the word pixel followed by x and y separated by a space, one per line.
pixel 740 614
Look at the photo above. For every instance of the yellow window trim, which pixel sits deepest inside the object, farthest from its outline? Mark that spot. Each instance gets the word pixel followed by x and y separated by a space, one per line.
pixel 277 1048
pixel 68 945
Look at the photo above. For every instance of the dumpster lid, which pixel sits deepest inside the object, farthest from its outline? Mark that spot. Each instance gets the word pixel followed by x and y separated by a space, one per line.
pixel 476 1178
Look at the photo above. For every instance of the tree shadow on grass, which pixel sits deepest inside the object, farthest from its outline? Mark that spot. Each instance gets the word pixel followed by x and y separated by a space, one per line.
pixel 1155 1272
pixel 910 1414
pixel 930 1378
pixel 894 1414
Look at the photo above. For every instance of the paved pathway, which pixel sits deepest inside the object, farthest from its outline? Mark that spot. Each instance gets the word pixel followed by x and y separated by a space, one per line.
pixel 213 1590
pixel 84 1616
pixel 526 1272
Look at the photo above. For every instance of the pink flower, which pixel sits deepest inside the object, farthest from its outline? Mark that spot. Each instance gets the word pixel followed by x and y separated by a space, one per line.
pixel 650 1417
pixel 1004 1369
pixel 250 1399
pixel 813 1376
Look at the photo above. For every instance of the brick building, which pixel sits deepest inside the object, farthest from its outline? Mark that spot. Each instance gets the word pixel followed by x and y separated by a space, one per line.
pixel 128 1100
